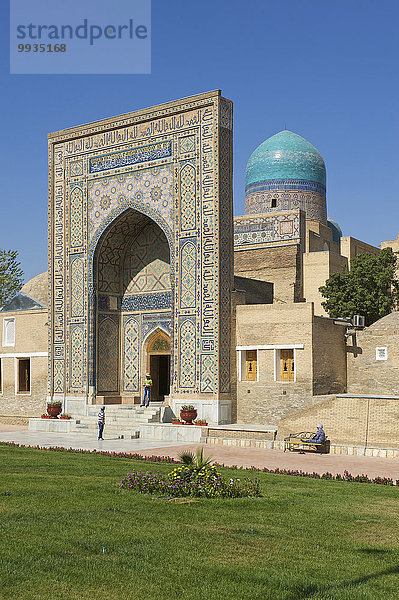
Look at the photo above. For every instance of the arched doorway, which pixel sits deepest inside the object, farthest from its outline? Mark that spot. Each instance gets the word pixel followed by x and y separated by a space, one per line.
pixel 158 364
pixel 133 292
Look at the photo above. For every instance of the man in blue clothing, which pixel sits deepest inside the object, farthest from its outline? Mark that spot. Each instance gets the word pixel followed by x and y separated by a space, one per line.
pixel 101 422
pixel 319 438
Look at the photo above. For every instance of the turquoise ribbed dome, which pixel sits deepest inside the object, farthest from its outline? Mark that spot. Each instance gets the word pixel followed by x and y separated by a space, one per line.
pixel 335 228
pixel 285 155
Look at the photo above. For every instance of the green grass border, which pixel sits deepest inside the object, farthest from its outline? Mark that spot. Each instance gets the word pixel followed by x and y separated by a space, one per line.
pixel 168 459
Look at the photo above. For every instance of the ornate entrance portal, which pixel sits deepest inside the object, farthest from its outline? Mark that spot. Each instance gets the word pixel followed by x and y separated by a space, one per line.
pixel 140 240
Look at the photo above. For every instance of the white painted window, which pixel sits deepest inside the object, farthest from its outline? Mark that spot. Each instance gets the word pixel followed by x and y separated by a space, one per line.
pixel 381 353
pixel 9 331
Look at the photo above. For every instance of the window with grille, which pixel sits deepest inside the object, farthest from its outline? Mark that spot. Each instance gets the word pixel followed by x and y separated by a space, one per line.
pixel 381 353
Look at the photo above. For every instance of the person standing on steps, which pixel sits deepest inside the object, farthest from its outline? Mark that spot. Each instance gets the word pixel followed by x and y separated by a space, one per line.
pixel 147 389
pixel 101 422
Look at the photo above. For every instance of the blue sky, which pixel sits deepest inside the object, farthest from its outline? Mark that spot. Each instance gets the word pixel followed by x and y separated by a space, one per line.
pixel 325 68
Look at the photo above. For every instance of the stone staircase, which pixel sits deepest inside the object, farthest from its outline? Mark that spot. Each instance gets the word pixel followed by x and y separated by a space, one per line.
pixel 121 421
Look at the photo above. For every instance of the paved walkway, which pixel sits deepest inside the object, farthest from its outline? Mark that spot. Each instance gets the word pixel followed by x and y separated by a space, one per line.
pixel 246 457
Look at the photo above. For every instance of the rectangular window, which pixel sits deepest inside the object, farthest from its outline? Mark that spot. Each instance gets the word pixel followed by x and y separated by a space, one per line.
pixel 285 365
pixel 9 331
pixel 381 353
pixel 23 375
pixel 251 365
pixel 1 376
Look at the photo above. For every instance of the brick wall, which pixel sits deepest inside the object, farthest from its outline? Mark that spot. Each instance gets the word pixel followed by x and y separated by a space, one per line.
pixel 366 375
pixel 280 265
pixel 349 420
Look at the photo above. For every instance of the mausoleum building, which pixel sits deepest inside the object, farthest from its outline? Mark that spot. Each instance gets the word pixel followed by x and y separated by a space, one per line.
pixel 150 272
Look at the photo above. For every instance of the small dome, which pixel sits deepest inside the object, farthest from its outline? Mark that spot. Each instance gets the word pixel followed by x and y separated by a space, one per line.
pixel 336 229
pixel 285 155
pixel 37 288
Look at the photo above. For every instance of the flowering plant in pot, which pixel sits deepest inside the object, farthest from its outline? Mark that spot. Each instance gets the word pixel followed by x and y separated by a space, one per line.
pixel 200 422
pixel 45 416
pixel 64 416
pixel 188 413
pixel 54 409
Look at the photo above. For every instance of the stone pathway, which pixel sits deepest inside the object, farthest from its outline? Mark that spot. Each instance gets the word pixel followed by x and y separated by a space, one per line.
pixel 246 457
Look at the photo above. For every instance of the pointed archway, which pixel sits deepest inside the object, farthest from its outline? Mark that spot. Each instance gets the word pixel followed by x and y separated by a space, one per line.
pixel 157 350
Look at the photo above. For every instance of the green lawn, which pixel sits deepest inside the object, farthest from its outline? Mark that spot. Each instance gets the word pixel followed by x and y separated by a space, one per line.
pixel 303 539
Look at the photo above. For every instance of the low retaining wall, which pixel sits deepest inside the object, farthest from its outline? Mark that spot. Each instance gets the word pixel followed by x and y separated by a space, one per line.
pixel 335 449
pixel 53 425
pixel 172 433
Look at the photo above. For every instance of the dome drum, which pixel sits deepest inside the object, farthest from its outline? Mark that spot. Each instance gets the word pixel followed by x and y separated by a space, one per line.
pixel 286 173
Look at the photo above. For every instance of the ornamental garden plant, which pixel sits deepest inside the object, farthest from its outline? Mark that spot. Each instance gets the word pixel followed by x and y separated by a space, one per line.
pixel 195 477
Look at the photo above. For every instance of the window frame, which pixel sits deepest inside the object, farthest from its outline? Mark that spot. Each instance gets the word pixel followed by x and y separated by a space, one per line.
pixel 381 353
pixel 5 321
pixel 277 364
pixel 242 365
pixel 17 363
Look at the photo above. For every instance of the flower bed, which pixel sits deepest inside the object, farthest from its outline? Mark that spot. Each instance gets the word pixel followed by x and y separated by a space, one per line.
pixel 207 483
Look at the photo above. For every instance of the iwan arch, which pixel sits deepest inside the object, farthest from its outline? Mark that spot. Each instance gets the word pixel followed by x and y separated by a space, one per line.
pixel 140 254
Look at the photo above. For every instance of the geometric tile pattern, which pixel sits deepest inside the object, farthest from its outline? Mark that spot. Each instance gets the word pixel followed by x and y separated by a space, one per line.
pixel 131 349
pixel 77 359
pixel 146 265
pixel 107 363
pixel 188 275
pixel 312 202
pixel 269 227
pixel 208 372
pixel 112 249
pixel 59 376
pixel 285 184
pixel 209 367
pixel 76 220
pixel 152 322
pixel 152 187
pixel 187 144
pixel 187 197
pixel 77 287
pixel 187 354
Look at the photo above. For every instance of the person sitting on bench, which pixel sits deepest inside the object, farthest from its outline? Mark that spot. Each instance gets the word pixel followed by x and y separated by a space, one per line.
pixel 319 438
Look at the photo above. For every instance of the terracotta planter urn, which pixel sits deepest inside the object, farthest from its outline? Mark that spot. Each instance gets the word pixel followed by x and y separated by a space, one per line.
pixel 54 410
pixel 188 415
